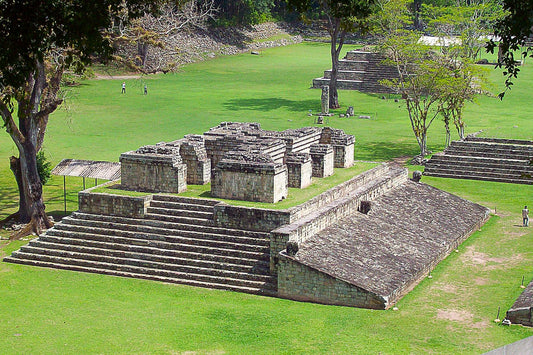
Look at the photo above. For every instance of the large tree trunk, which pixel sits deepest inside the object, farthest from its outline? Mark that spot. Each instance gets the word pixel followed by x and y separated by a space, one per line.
pixel 333 94
pixel 23 215
pixel 32 208
pixel 337 40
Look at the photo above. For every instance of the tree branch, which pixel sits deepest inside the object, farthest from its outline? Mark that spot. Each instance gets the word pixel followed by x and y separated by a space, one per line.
pixel 10 125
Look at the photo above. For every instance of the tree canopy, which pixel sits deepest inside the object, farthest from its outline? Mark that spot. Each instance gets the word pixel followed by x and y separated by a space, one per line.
pixel 39 40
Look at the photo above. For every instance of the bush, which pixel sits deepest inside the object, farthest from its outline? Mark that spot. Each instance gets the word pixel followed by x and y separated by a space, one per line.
pixel 43 168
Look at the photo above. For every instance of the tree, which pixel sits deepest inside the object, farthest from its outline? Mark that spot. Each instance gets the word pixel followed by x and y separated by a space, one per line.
pixel 39 41
pixel 342 17
pixel 512 32
pixel 138 40
pixel 471 22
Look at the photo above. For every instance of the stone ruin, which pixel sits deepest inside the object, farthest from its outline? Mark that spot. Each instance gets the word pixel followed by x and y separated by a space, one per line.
pixel 364 243
pixel 241 160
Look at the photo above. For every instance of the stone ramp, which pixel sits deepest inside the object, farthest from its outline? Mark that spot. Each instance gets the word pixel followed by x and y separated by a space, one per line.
pixel 489 159
pixel 176 242
pixel 371 260
pixel 522 310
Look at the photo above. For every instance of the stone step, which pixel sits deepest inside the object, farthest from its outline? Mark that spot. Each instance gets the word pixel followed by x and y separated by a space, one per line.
pixel 478 166
pixel 80 216
pixel 499 140
pixel 359 65
pixel 246 259
pixel 131 230
pixel 139 231
pixel 207 216
pixel 478 177
pixel 494 148
pixel 341 84
pixel 181 206
pixel 145 238
pixel 358 55
pixel 268 288
pixel 179 219
pixel 487 154
pixel 150 261
pixel 210 252
pixel 186 200
pixel 479 161
pixel 346 75
pixel 486 172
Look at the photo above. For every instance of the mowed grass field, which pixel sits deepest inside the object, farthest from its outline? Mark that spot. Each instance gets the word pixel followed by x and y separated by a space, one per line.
pixel 60 312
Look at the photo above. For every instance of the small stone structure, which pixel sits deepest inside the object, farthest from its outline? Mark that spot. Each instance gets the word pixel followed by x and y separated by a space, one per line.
pixel 154 168
pixel 241 160
pixel 324 99
pixel 522 310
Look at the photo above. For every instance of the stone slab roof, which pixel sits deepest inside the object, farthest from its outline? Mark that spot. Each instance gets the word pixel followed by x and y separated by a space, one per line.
pixel 525 300
pixel 406 230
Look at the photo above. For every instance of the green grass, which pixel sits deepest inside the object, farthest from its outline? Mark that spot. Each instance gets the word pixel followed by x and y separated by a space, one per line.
pixel 53 311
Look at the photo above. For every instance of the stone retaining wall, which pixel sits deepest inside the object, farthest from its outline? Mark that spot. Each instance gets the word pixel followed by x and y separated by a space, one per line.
pixel 302 283
pixel 256 219
pixel 113 205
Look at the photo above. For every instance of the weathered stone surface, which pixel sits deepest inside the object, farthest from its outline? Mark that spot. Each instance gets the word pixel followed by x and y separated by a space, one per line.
pixel 323 160
pixel 300 170
pixel 522 310
pixel 153 169
pixel 250 177
pixel 405 234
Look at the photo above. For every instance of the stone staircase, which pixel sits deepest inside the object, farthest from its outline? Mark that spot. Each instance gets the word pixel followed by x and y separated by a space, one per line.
pixel 176 242
pixel 485 159
pixel 360 70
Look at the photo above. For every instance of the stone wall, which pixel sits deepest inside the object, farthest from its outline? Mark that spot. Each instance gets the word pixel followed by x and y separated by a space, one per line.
pixel 194 155
pixel 343 146
pixel 322 160
pixel 153 169
pixel 302 283
pixel 256 219
pixel 250 177
pixel 113 205
pixel 299 169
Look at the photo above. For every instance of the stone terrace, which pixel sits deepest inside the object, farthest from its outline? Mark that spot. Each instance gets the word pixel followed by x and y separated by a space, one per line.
pixel 360 70
pixel 491 159
pixel 376 258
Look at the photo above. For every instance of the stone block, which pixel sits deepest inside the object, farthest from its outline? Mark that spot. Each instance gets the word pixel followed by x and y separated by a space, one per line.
pixel 322 160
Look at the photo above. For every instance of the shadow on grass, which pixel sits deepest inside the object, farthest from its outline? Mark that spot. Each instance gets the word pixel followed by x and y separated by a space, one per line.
pixel 384 151
pixel 269 104
pixel 9 201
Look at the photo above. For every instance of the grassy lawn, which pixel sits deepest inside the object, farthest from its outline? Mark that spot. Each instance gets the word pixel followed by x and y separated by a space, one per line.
pixel 54 311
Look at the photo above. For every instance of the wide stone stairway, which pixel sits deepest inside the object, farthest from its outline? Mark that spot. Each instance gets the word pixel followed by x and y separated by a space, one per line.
pixel 175 242
pixel 491 159
pixel 360 70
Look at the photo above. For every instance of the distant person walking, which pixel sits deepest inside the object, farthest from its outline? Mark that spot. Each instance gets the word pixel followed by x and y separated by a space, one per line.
pixel 123 87
pixel 525 217
pixel 145 89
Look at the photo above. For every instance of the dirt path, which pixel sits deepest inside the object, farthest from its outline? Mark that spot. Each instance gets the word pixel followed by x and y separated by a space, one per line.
pixel 116 77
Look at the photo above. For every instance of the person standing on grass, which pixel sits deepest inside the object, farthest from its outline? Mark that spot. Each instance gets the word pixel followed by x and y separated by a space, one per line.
pixel 123 87
pixel 145 89
pixel 525 217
